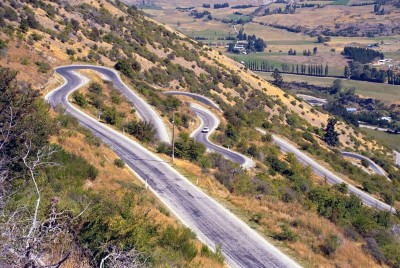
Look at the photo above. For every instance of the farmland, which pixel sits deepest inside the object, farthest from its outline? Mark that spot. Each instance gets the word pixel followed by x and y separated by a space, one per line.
pixel 385 92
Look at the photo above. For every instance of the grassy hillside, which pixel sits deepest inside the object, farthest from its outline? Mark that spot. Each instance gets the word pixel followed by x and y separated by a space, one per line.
pixel 153 58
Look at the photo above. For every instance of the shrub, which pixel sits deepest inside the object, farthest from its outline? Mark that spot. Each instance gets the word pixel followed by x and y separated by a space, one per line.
pixel 286 235
pixel 119 162
pixel 95 88
pixel 143 131
pixel 128 67
pixel 364 162
pixel 342 187
pixel 331 244
pixel 116 97
pixel 43 66
pixel 111 116
pixel 80 99
pixel 267 137
pixel 217 255
pixel 92 172
pixel 179 240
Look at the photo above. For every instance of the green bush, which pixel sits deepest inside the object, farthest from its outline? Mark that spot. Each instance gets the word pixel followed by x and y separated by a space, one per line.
pixel 116 97
pixel 44 67
pixel 111 116
pixel 217 255
pixel 331 244
pixel 188 148
pixel 80 99
pixel 128 67
pixel 179 239
pixel 143 131
pixel 92 172
pixel 286 235
pixel 96 88
pixel 119 162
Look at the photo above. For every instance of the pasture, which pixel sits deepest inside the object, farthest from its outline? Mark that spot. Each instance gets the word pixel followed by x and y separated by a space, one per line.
pixel 384 92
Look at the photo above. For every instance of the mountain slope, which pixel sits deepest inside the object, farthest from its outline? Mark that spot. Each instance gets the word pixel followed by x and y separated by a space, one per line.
pixel 155 59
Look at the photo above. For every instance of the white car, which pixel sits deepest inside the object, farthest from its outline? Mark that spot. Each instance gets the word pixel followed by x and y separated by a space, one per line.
pixel 205 130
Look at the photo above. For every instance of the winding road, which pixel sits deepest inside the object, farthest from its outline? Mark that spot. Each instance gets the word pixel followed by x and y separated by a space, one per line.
pixel 210 221
pixel 318 169
pixel 374 166
pixel 325 173
pixel 209 120
pixel 144 110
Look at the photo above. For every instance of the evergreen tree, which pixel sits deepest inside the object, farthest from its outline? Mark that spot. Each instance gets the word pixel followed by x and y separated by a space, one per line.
pixel 278 80
pixel 346 71
pixel 331 137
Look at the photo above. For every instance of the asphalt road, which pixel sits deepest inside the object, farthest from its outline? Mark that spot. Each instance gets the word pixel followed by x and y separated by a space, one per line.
pixel 208 119
pixel 322 171
pixel 325 173
pixel 144 110
pixel 209 220
pixel 374 166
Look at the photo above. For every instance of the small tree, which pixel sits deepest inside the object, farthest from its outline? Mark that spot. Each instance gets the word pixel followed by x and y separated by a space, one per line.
pixel 331 137
pixel 278 80
pixel 331 244
pixel 346 72
pixel 119 162
pixel 79 99
pixel 336 86
pixel 95 88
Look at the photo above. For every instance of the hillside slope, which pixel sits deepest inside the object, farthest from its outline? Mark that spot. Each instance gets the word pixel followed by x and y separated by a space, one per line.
pixel 38 36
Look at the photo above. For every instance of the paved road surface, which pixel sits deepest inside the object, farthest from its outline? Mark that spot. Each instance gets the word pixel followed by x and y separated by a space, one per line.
pixel 374 166
pixel 325 173
pixel 210 221
pixel 144 110
pixel 208 119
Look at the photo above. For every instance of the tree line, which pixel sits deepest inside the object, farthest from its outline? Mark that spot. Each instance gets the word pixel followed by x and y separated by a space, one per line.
pixel 362 55
pixel 364 72
pixel 304 69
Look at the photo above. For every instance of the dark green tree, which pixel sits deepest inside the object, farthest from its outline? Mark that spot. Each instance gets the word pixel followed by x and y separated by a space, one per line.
pixel 278 80
pixel 331 137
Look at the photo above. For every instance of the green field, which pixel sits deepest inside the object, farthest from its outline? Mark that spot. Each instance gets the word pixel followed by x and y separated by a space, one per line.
pixel 271 58
pixel 383 92
pixel 391 140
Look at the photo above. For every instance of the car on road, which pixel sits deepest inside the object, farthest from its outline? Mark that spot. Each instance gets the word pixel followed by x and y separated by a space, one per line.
pixel 205 130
